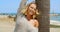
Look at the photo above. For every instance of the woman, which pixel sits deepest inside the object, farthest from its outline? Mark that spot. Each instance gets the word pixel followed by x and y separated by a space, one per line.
pixel 30 13
pixel 27 23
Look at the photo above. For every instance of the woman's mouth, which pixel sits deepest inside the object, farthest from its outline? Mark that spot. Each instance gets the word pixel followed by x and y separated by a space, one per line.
pixel 31 12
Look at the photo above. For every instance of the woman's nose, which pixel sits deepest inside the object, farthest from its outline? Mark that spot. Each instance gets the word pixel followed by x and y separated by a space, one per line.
pixel 33 10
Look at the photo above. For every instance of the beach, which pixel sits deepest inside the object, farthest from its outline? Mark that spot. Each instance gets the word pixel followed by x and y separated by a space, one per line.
pixel 54 29
pixel 52 22
pixel 7 24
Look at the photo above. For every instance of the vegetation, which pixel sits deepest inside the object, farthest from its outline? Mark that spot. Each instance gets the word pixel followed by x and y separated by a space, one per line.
pixel 54 26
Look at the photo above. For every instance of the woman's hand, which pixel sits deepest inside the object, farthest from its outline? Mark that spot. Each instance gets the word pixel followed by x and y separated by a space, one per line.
pixel 36 24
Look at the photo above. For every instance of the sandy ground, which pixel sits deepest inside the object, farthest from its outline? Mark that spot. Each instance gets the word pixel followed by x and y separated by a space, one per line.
pixel 54 29
pixel 8 25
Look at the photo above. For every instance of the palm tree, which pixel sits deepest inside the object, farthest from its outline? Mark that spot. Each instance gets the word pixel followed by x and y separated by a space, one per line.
pixel 43 7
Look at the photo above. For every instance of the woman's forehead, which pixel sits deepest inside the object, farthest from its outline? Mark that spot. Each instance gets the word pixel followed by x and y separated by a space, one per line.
pixel 33 5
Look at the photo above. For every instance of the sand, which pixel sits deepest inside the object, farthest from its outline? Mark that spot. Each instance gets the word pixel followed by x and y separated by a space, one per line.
pixel 54 29
pixel 7 24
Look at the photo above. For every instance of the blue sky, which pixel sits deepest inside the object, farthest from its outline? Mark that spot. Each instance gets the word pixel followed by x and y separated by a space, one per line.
pixel 11 6
pixel 55 6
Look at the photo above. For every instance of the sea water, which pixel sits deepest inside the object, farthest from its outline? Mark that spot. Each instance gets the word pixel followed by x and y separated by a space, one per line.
pixel 55 18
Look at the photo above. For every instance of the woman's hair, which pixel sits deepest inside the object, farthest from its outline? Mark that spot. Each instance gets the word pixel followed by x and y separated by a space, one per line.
pixel 24 11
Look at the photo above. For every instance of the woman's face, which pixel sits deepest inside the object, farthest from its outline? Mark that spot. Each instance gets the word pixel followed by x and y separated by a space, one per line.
pixel 32 9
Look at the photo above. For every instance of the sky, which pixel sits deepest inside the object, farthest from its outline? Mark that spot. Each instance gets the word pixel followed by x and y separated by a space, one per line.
pixel 54 6
pixel 11 6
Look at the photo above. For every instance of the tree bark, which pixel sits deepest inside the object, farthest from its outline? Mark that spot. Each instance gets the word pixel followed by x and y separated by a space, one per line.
pixel 43 18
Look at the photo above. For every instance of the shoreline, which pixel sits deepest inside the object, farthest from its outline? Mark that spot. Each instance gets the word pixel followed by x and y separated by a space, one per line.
pixel 52 22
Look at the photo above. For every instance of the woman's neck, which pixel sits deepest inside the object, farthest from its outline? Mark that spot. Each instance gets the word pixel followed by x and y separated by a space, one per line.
pixel 29 17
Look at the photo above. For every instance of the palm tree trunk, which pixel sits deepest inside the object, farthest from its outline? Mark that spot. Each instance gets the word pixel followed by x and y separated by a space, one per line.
pixel 44 8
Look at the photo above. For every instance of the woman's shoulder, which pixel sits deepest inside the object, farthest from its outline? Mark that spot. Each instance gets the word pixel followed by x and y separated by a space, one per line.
pixel 35 20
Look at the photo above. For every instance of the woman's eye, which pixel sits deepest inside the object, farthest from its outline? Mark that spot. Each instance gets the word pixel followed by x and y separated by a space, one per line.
pixel 32 7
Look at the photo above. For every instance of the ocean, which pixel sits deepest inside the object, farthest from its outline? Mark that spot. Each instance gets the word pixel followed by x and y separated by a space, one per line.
pixel 55 18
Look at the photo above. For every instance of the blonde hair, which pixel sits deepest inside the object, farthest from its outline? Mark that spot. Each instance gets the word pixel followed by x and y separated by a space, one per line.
pixel 24 11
